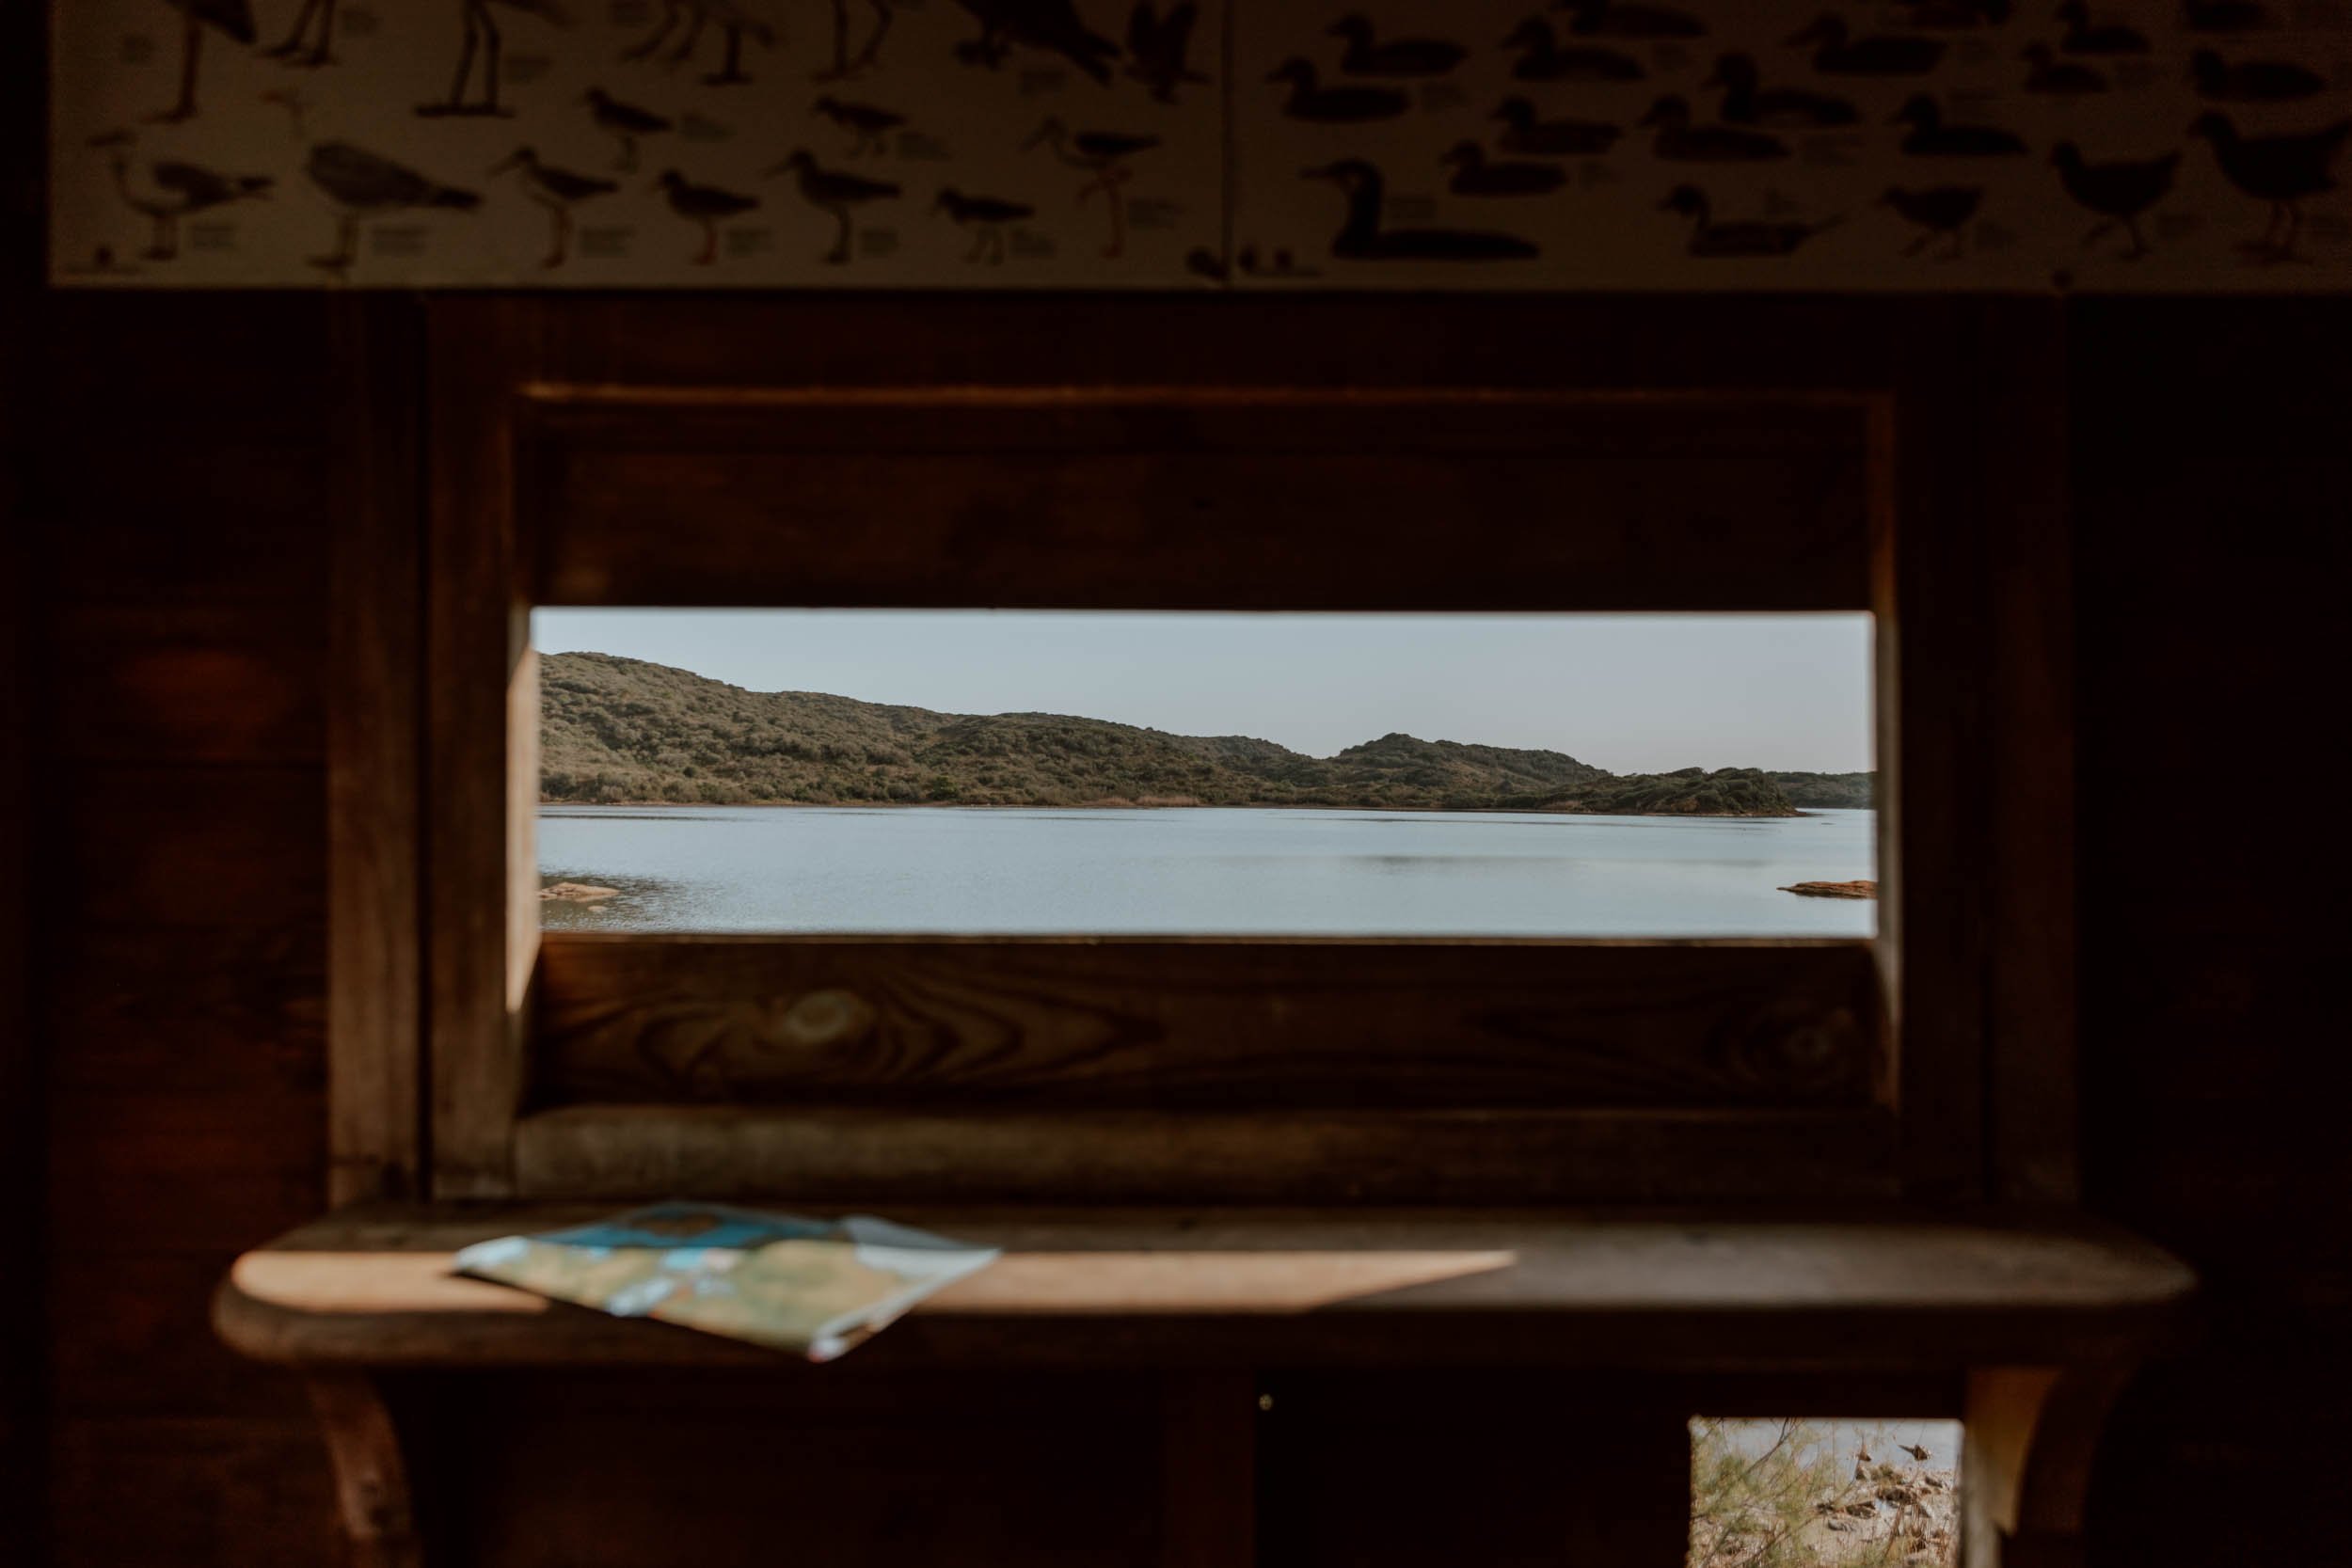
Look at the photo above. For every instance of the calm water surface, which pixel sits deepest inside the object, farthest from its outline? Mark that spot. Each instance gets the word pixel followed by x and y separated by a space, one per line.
pixel 911 869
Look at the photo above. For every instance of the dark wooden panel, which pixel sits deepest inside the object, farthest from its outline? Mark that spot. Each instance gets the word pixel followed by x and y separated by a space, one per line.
pixel 145 528
pixel 1248 501
pixel 130 1334
pixel 1326 1025
pixel 134 1007
pixel 236 1492
pixel 1197 1156
pixel 143 1172
pixel 202 681
pixel 207 847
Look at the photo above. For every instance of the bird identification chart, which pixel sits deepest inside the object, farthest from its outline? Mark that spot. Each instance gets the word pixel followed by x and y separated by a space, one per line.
pixel 1931 145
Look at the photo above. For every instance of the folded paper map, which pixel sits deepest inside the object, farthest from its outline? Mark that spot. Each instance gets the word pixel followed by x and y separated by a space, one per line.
pixel 813 1287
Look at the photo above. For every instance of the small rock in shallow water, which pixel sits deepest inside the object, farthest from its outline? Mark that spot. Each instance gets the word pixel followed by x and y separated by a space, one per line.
pixel 579 893
pixel 1835 890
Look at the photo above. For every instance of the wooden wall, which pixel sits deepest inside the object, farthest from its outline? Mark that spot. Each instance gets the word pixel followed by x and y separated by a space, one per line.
pixel 180 563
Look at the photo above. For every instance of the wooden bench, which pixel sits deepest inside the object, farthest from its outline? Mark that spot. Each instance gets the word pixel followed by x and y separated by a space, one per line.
pixel 2038 1321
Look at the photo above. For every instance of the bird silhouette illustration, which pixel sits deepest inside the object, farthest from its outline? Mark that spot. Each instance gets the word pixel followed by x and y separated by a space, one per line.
pixel 233 19
pixel 2251 81
pixel 835 193
pixel 987 217
pixel 179 190
pixel 1347 104
pixel 2046 73
pixel 2226 16
pixel 624 123
pixel 868 123
pixel 849 63
pixel 1525 130
pixel 705 206
pixel 1475 174
pixel 1543 58
pixel 1158 46
pixel 360 185
pixel 1930 138
pixel 558 190
pixel 1940 212
pixel 2118 191
pixel 298 46
pixel 735 21
pixel 1367 56
pixel 2283 170
pixel 1103 155
pixel 1629 19
pixel 1051 27
pixel 1753 239
pixel 1361 238
pixel 482 35
pixel 1676 139
pixel 2085 36
pixel 1747 101
pixel 1837 52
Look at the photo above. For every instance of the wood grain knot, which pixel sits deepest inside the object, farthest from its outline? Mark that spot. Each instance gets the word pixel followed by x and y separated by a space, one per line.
pixel 825 1018
pixel 1796 1047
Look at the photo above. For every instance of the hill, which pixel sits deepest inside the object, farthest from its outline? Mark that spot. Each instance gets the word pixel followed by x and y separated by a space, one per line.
pixel 618 730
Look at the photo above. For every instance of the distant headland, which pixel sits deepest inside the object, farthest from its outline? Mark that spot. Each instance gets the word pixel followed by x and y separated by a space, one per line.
pixel 622 732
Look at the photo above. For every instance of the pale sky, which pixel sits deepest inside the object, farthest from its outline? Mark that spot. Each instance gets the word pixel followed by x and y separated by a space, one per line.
pixel 1631 693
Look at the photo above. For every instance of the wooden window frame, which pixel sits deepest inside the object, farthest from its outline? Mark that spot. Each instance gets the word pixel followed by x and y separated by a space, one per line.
pixel 469 416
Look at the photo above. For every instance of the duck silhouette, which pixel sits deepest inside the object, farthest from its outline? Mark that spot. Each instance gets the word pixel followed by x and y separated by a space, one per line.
pixel 558 190
pixel 1524 132
pixel 482 35
pixel 705 206
pixel 2118 191
pixel 1930 138
pixel 2251 81
pixel 1363 239
pixel 2046 72
pixel 733 19
pixel 1344 105
pixel 868 122
pixel 1955 13
pixel 180 190
pixel 298 48
pixel 1541 57
pixel 2283 170
pixel 233 19
pixel 987 217
pixel 1103 155
pixel 1747 103
pixel 2085 37
pixel 1628 19
pixel 1835 53
pixel 1475 175
pixel 623 122
pixel 1712 240
pixel 1941 211
pixel 1051 27
pixel 1367 56
pixel 2225 16
pixel 1678 140
pixel 835 193
pixel 360 185
pixel 1157 46
pixel 848 65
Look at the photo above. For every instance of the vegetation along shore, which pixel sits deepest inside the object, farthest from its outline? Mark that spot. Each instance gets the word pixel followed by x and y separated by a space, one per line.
pixel 620 730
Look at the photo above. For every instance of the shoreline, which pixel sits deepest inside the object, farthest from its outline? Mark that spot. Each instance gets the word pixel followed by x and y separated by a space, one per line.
pixel 1138 805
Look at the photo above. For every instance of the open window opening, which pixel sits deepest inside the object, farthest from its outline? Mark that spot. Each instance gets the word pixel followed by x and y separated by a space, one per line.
pixel 1804 1492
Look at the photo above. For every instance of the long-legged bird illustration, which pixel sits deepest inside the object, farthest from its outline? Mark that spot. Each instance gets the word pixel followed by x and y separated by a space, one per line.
pixel 847 64
pixel 180 189
pixel 360 185
pixel 986 217
pixel 558 190
pixel 233 18
pixel 1103 154
pixel 731 17
pixel 868 122
pixel 299 47
pixel 1940 211
pixel 482 37
pixel 705 205
pixel 835 192
pixel 2283 170
pixel 1157 46
pixel 625 123
pixel 1052 25
pixel 2119 192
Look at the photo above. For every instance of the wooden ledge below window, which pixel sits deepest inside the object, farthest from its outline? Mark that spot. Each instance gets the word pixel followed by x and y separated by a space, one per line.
pixel 370 1289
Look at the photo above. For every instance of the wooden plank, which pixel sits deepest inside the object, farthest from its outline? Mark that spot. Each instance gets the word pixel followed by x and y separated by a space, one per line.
pixel 375 1022
pixel 184 1009
pixel 1066 1155
pixel 1209 1469
pixel 477 636
pixel 156 1171
pixel 202 847
pixel 247 1492
pixel 271 546
pixel 1869 1291
pixel 1208 1023
pixel 2030 1015
pixel 204 681
pixel 1228 499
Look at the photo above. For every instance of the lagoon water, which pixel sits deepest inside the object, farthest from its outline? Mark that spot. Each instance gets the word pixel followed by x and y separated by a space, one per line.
pixel 1202 871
